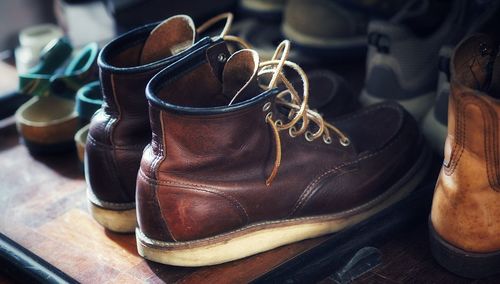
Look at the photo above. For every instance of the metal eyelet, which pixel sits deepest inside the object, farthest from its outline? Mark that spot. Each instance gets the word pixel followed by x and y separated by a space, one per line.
pixel 291 131
pixel 345 142
pixel 308 136
pixel 267 106
pixel 278 123
pixel 221 58
pixel 327 139
pixel 268 116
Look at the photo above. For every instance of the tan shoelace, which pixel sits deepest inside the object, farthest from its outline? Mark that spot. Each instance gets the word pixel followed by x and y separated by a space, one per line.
pixel 227 26
pixel 299 108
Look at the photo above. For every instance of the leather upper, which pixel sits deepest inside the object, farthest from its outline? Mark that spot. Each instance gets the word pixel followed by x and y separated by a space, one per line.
pixel 466 205
pixel 120 130
pixel 205 170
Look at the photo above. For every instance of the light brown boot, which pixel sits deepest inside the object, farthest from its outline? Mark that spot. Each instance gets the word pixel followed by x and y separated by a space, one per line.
pixel 465 218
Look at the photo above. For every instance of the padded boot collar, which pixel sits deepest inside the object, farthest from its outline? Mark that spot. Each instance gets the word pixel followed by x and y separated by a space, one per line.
pixel 181 67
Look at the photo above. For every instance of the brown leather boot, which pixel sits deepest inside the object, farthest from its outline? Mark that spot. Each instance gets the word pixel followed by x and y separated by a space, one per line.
pixel 465 218
pixel 235 169
pixel 120 130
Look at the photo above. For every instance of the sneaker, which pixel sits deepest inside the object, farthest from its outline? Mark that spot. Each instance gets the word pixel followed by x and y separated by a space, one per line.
pixel 120 130
pixel 332 29
pixel 236 168
pixel 434 124
pixel 465 217
pixel 402 54
pixel 435 121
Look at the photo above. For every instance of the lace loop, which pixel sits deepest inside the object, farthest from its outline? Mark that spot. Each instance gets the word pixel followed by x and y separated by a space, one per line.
pixel 209 23
pixel 298 106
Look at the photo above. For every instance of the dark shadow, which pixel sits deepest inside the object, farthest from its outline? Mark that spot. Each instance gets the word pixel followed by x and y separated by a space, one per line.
pixel 8 134
pixel 66 164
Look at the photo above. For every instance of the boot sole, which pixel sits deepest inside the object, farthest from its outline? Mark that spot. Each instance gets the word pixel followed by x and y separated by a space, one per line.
pixel 116 217
pixel 463 263
pixel 119 221
pixel 265 236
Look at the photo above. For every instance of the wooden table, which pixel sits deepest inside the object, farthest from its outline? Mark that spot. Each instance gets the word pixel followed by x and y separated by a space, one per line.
pixel 43 208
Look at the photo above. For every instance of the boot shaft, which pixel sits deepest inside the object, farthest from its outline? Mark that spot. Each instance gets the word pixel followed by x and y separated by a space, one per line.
pixel 474 111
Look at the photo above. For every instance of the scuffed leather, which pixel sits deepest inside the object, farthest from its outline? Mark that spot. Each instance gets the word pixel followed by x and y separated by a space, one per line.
pixel 208 171
pixel 466 205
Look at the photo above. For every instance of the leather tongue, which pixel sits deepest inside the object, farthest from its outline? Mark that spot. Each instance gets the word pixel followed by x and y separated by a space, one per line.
pixel 168 38
pixel 239 77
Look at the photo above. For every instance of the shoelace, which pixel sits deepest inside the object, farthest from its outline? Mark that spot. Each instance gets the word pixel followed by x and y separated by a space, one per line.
pixel 299 108
pixel 227 26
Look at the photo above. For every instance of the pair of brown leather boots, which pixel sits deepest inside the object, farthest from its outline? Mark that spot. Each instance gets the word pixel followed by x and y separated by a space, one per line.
pixel 228 160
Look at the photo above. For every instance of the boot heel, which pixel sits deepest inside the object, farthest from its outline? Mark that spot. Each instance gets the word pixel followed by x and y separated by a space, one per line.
pixel 460 262
pixel 119 221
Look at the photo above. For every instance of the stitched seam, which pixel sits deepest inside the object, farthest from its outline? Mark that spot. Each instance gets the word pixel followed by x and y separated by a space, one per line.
pixel 111 163
pixel 197 187
pixel 154 169
pixel 458 145
pixel 306 194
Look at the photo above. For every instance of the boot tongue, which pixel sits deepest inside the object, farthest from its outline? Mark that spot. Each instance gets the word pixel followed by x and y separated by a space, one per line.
pixel 239 77
pixel 168 38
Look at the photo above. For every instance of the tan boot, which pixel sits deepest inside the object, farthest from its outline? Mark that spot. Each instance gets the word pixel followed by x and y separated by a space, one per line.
pixel 465 218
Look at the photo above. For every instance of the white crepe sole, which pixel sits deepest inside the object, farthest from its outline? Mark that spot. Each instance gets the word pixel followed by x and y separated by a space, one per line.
pixel 435 132
pixel 417 106
pixel 265 236
pixel 120 221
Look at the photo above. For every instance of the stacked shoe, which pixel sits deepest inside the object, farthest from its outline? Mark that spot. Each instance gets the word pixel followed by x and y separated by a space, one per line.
pixel 333 29
pixel 48 122
pixel 235 168
pixel 120 130
pixel 88 101
pixel 465 218
pixel 435 122
pixel 402 54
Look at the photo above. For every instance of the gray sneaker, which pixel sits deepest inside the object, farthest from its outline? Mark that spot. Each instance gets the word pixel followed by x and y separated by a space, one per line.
pixel 401 62
pixel 333 29
pixel 434 125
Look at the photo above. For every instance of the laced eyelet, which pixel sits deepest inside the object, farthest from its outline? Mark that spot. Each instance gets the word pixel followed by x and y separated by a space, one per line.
pixel 291 131
pixel 268 116
pixel 221 58
pixel 278 123
pixel 327 139
pixel 345 142
pixel 308 136
pixel 266 107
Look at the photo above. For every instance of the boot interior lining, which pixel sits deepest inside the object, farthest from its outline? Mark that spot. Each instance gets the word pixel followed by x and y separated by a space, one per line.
pixel 199 87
